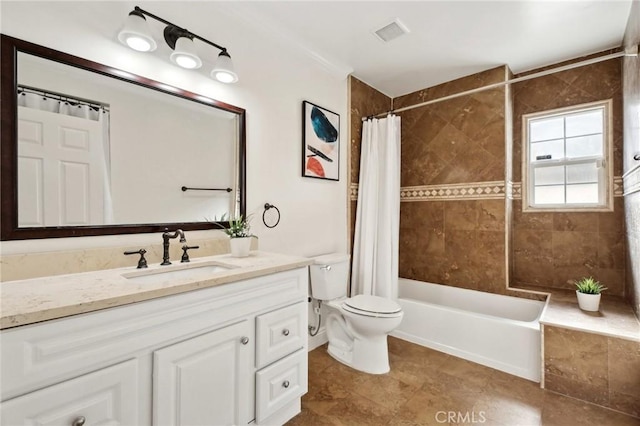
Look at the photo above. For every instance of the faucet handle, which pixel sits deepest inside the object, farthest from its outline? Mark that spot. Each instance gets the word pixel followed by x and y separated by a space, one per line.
pixel 185 255
pixel 142 263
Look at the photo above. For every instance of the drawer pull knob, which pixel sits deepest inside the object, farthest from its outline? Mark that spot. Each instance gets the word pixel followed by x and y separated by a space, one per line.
pixel 244 340
pixel 285 384
pixel 285 332
pixel 78 421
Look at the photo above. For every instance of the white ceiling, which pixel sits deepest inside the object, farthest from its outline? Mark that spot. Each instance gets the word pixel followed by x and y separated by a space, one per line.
pixel 447 39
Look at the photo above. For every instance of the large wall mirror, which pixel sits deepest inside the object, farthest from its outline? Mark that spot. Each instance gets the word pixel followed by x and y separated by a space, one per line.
pixel 91 150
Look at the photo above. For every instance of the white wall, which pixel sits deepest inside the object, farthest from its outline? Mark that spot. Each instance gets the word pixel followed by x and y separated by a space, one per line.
pixel 275 78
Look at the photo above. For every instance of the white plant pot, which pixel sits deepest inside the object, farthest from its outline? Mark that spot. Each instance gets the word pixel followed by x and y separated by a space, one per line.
pixel 240 247
pixel 588 302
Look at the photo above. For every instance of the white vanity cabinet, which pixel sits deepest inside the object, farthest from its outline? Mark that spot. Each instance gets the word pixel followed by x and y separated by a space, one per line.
pixel 229 354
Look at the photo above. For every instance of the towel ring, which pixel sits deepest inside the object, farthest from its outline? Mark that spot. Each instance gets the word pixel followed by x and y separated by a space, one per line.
pixel 268 206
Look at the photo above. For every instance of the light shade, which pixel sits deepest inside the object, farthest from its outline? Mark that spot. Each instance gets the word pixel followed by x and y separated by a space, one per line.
pixel 223 70
pixel 184 54
pixel 136 34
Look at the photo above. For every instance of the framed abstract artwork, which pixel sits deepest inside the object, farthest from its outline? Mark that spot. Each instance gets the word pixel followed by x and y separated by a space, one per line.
pixel 320 142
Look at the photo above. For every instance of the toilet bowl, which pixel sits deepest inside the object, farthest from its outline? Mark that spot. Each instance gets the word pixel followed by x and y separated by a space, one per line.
pixel 357 327
pixel 358 336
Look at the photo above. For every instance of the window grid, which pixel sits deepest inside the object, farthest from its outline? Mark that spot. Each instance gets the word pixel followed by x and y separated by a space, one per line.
pixel 599 161
pixel 567 138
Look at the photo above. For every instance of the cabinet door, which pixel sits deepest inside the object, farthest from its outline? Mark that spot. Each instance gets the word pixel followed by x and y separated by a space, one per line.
pixel 206 380
pixel 106 397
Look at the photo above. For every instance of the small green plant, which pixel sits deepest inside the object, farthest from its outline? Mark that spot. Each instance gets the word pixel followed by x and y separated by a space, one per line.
pixel 589 286
pixel 238 227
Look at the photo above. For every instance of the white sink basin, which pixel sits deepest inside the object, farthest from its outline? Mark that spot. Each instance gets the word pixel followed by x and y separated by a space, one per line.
pixel 177 273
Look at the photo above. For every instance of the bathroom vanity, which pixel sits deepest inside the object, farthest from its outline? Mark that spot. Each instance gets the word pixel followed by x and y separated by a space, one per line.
pixel 219 341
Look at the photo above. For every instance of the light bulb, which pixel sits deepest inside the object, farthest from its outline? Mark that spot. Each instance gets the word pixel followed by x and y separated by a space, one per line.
pixel 138 43
pixel 223 70
pixel 186 61
pixel 223 77
pixel 136 34
pixel 184 54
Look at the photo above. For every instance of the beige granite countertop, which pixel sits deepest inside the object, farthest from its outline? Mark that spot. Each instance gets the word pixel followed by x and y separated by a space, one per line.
pixel 614 319
pixel 40 299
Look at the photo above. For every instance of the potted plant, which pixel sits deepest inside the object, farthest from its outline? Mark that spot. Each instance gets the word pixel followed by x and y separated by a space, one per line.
pixel 588 292
pixel 239 232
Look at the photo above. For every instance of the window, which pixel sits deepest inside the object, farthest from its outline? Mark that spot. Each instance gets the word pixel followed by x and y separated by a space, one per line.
pixel 567 158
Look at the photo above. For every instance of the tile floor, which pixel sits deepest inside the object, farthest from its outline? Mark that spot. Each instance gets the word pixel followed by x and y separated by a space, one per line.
pixel 426 387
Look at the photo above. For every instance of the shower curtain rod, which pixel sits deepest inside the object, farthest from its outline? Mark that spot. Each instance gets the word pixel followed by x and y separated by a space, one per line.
pixel 633 51
pixel 62 97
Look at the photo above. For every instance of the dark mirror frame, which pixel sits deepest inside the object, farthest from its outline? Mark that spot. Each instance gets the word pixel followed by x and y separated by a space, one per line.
pixel 9 229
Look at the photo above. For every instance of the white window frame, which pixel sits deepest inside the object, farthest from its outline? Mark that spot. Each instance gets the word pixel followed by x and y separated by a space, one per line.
pixel 605 175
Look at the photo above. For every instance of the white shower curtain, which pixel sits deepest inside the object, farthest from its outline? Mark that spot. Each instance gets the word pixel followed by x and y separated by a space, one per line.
pixel 375 253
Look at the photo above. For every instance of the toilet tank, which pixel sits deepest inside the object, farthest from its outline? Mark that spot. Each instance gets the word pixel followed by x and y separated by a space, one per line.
pixel 329 276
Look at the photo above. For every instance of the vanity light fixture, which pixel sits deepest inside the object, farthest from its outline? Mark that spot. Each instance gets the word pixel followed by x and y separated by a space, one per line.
pixel 137 36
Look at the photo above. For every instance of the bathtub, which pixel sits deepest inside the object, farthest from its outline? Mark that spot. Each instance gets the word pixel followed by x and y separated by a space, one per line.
pixel 498 331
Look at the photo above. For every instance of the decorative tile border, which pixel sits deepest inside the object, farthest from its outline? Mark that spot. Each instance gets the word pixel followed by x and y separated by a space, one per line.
pixel 494 190
pixel 631 181
pixel 618 190
pixel 515 192
pixel 456 191
pixel 353 192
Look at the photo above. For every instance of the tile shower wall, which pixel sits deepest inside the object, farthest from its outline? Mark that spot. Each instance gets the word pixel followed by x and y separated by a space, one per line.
pixel 632 212
pixel 458 243
pixel 631 95
pixel 551 249
pixel 460 194
pixel 452 218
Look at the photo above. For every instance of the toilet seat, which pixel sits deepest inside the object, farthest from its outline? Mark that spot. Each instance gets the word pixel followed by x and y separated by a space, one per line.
pixel 372 306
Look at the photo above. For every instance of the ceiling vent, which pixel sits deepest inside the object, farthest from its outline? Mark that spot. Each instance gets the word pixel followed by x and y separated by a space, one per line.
pixel 391 31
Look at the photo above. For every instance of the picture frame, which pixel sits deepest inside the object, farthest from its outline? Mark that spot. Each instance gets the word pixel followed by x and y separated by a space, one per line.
pixel 320 142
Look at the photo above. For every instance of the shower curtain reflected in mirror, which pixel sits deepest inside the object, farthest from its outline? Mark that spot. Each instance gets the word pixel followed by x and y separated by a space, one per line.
pixel 375 252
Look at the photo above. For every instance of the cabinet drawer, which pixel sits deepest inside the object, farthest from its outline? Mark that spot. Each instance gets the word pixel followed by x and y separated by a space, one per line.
pixel 107 396
pixel 281 383
pixel 280 333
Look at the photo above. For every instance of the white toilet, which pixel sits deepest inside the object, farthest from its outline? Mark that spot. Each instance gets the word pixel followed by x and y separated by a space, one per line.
pixel 357 327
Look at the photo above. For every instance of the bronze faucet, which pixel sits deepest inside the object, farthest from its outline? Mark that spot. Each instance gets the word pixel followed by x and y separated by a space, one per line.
pixel 166 236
